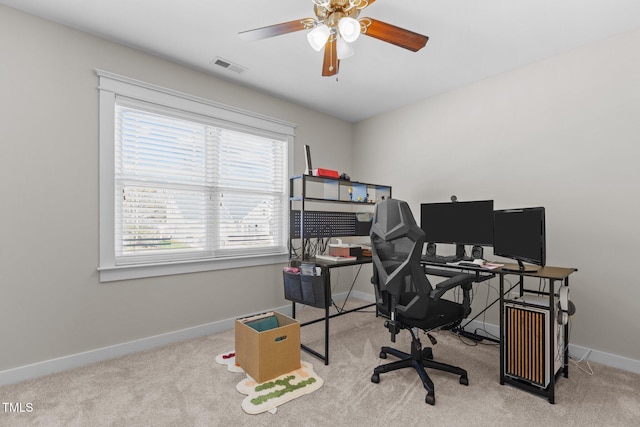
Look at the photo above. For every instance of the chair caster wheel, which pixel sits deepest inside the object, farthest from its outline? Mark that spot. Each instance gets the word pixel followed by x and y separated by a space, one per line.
pixel 430 399
pixel 464 380
pixel 375 378
pixel 383 355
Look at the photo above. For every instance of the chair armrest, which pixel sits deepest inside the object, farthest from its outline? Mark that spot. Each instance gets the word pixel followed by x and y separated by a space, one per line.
pixel 461 279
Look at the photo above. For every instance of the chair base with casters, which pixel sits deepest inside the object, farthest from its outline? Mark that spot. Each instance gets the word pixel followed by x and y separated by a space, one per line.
pixel 419 359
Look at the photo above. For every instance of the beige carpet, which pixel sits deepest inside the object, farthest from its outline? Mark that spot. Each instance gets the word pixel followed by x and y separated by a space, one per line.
pixel 182 385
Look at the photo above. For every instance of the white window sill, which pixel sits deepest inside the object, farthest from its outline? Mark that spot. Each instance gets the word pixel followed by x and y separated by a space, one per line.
pixel 115 273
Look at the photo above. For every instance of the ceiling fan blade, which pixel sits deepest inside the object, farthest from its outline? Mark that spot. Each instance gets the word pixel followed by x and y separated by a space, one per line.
pixel 331 62
pixel 276 30
pixel 394 35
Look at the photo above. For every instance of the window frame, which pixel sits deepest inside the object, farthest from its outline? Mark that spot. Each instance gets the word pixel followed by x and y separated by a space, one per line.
pixel 111 86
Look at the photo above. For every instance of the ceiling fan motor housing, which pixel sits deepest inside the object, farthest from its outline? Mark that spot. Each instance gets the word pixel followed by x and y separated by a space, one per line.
pixel 331 12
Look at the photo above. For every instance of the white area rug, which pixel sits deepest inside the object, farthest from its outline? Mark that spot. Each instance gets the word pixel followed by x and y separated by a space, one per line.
pixel 267 396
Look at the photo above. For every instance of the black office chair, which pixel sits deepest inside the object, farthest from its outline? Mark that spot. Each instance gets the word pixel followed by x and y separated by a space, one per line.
pixel 405 296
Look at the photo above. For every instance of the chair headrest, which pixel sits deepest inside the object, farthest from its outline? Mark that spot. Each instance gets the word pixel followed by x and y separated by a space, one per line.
pixel 393 219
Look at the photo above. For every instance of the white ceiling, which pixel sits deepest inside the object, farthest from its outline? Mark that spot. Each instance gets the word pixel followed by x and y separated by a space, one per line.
pixel 469 40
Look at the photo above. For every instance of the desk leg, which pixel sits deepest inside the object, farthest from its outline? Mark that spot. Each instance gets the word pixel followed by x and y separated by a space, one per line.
pixel 502 329
pixel 328 298
pixel 552 341
pixel 566 340
pixel 327 305
pixel 326 336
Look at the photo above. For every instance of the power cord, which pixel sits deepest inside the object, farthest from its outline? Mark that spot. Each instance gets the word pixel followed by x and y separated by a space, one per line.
pixel 585 358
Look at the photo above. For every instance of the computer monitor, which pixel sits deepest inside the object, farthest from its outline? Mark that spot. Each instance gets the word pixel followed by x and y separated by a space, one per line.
pixel 519 234
pixel 459 223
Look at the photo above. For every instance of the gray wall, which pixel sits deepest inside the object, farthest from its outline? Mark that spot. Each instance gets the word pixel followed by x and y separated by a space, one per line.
pixel 560 133
pixel 51 303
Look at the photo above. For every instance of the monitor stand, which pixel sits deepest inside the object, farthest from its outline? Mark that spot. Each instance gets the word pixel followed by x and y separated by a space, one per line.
pixel 521 268
pixel 460 254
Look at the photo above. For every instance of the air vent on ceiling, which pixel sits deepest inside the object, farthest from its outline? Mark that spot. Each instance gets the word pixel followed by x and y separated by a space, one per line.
pixel 228 65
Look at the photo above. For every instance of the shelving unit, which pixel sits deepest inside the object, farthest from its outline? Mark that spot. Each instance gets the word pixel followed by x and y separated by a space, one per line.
pixel 319 208
pixel 349 214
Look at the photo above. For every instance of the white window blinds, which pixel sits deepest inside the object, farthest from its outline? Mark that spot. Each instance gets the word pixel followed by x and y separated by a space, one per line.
pixel 188 187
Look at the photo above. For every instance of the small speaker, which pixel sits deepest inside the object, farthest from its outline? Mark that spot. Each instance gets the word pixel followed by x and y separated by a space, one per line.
pixel 477 252
pixel 431 249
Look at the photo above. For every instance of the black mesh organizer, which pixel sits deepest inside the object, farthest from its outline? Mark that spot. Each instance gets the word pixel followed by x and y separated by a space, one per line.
pixel 308 290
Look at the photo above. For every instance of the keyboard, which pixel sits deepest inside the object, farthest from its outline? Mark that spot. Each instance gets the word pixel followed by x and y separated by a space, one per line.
pixel 469 264
pixel 438 259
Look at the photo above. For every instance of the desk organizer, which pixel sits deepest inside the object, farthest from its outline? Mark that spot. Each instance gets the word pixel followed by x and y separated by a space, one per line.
pixel 308 290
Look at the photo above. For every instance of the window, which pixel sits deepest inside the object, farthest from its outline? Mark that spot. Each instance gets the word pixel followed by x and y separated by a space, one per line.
pixel 187 184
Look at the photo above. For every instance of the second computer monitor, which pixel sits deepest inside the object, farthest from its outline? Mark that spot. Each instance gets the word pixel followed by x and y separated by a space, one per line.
pixel 520 235
pixel 460 223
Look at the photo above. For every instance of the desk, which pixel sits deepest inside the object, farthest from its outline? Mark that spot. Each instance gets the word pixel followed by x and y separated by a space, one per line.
pixel 326 299
pixel 553 274
pixel 326 267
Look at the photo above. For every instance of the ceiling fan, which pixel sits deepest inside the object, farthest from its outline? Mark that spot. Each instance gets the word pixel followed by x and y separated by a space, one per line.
pixel 336 26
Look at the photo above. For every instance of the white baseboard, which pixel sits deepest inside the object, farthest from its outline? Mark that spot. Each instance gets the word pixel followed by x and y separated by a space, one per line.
pixel 613 360
pixel 23 373
pixel 35 370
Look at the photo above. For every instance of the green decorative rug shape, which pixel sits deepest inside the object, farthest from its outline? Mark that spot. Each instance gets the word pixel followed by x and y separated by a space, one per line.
pixel 267 396
pixel 270 394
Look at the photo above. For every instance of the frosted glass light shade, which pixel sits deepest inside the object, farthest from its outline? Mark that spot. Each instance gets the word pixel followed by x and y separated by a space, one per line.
pixel 349 29
pixel 344 49
pixel 318 37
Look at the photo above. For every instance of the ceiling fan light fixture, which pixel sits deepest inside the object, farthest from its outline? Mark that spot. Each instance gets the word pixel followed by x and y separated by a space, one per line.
pixel 318 37
pixel 349 29
pixel 338 23
pixel 343 49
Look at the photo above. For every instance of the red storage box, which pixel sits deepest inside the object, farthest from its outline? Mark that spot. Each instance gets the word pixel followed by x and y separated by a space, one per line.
pixel 325 173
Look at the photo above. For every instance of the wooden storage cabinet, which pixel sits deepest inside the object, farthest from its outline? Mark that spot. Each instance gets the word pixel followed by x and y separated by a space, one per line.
pixel 534 349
